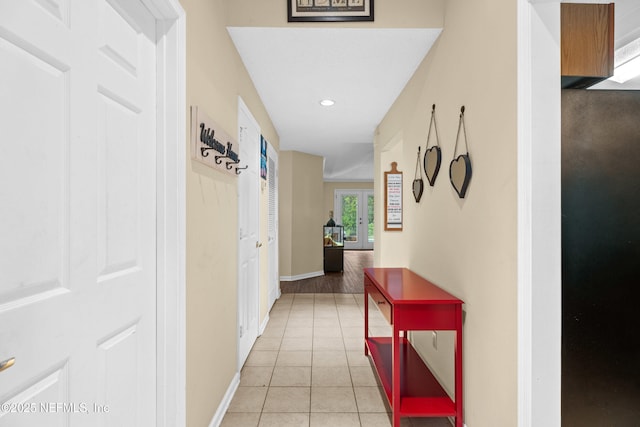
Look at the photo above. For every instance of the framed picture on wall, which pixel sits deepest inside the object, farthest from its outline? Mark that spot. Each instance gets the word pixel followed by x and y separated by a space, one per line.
pixel 329 10
pixel 263 158
pixel 393 199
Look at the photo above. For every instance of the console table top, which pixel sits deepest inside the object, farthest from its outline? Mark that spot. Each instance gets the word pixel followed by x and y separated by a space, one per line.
pixel 403 286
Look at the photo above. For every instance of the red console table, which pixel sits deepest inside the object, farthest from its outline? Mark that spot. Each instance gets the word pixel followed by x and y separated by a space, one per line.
pixel 410 302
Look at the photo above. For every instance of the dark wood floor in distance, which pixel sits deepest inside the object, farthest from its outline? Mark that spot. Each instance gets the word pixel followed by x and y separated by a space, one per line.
pixel 350 281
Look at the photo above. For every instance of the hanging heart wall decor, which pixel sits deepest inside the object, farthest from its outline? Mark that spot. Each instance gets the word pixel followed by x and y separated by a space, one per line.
pixel 460 174
pixel 432 160
pixel 433 155
pixel 418 184
pixel 460 167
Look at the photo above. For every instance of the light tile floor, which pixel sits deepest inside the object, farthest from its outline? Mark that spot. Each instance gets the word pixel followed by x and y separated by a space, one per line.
pixel 309 369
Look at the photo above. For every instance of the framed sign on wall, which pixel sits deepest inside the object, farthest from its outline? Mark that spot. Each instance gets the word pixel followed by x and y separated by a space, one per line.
pixel 393 199
pixel 329 10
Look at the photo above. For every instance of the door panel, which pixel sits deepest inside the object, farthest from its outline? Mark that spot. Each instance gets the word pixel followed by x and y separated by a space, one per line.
pixel 77 180
pixel 51 387
pixel 38 208
pixel 118 189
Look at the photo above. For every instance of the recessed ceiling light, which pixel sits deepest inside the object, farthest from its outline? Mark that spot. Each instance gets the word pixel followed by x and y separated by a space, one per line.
pixel 327 102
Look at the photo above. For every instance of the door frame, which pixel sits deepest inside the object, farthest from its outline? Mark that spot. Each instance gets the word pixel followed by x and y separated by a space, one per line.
pixel 171 212
pixel 539 213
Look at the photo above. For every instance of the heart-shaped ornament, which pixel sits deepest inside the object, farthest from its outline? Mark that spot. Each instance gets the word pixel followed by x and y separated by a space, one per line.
pixel 432 160
pixel 460 174
pixel 418 186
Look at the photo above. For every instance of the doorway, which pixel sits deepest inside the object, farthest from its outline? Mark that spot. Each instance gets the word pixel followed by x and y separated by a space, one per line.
pixel 354 210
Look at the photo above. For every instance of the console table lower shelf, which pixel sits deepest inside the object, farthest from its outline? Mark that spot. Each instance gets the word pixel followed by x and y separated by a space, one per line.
pixel 421 393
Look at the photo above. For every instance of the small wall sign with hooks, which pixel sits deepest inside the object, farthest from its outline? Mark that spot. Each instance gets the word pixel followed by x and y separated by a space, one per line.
pixel 212 146
pixel 460 167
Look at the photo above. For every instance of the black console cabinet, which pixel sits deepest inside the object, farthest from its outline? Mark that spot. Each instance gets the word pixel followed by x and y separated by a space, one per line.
pixel 333 248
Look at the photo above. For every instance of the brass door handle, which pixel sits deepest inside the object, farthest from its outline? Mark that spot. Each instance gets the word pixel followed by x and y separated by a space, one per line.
pixel 258 244
pixel 6 364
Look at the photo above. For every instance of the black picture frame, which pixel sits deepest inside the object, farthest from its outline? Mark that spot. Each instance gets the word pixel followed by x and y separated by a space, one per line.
pixel 263 157
pixel 329 10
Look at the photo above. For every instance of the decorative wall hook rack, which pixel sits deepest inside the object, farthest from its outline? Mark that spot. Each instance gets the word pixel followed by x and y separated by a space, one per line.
pixel 218 159
pixel 240 169
pixel 207 135
pixel 231 163
pixel 204 151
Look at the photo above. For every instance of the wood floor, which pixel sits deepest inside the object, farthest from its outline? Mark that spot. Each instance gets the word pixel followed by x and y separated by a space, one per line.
pixel 350 281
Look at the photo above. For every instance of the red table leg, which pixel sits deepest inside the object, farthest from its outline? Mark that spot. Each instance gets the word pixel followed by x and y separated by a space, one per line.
pixel 458 367
pixel 396 378
pixel 366 321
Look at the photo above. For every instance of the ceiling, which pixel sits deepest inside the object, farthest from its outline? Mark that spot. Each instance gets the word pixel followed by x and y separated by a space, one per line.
pixel 627 30
pixel 363 71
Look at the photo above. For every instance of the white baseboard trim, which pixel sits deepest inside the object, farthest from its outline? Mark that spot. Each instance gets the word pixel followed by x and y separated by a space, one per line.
pixel 226 400
pixel 302 276
pixel 263 326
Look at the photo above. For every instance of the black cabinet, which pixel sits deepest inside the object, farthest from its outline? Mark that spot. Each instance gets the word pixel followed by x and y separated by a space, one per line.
pixel 333 240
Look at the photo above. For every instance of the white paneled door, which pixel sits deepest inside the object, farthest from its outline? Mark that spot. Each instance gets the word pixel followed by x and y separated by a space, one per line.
pixel 77 213
pixel 249 232
pixel 272 232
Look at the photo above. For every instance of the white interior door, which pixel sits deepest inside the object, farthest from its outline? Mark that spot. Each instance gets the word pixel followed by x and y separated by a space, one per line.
pixel 77 191
pixel 248 232
pixel 274 273
pixel 353 209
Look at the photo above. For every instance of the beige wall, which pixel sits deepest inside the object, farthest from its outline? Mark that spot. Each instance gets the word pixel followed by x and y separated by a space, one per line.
pixel 394 251
pixel 329 191
pixel 387 13
pixel 301 214
pixel 215 79
pixel 467 246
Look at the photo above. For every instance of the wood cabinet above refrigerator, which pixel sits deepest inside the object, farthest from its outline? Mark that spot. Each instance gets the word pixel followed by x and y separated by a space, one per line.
pixel 587 43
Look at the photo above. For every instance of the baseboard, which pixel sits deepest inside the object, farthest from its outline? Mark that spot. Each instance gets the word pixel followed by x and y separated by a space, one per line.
pixel 263 326
pixel 302 276
pixel 226 401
